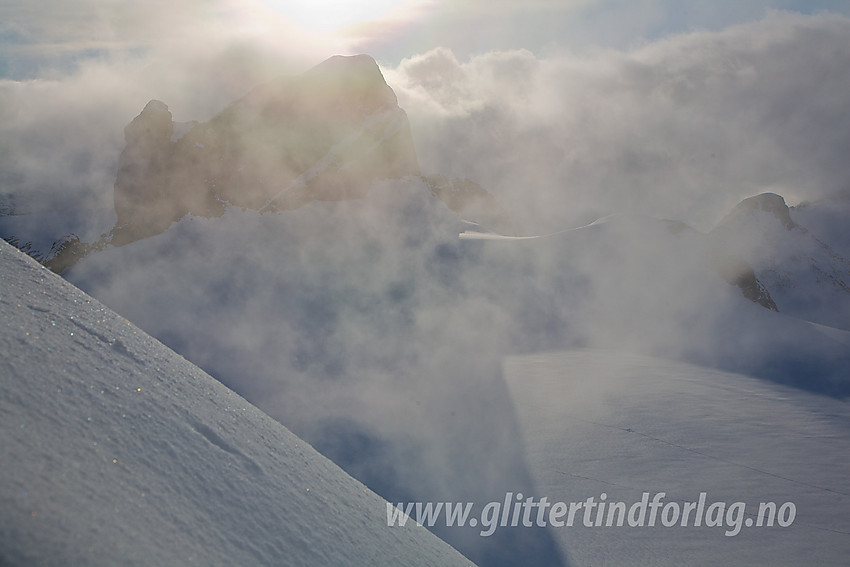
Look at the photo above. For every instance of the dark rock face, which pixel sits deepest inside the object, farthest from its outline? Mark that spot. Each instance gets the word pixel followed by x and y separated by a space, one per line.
pixel 139 188
pixel 328 134
pixel 768 202
pixel 739 273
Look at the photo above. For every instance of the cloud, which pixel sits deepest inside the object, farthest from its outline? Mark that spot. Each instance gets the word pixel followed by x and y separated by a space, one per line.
pixel 372 331
pixel 368 324
pixel 89 28
pixel 76 74
pixel 683 128
pixel 354 324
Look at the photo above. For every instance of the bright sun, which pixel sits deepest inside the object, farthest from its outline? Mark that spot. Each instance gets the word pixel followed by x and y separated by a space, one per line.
pixel 324 16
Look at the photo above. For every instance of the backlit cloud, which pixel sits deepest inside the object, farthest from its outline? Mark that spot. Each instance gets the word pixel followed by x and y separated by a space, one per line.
pixel 681 128
pixel 367 325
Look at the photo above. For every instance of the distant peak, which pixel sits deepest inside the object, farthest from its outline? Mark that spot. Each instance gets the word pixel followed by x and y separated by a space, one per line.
pixel 151 127
pixel 155 106
pixel 349 65
pixel 362 60
pixel 347 80
pixel 767 202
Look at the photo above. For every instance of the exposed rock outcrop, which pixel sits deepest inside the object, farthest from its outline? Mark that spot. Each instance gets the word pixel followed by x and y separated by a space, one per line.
pixel 328 134
pixel 142 197
pixel 768 202
pixel 732 268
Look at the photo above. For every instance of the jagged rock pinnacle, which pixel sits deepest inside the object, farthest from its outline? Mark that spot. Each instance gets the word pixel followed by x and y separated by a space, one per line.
pixel 327 134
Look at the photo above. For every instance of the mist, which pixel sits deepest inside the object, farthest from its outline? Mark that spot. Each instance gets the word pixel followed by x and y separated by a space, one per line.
pixel 376 333
pixel 372 331
pixel 682 128
pixel 74 76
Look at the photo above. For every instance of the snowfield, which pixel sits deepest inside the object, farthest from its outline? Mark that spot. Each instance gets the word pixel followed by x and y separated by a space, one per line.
pixel 599 421
pixel 117 451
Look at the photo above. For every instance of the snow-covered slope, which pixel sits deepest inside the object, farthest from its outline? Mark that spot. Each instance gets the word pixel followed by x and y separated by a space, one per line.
pixel 372 331
pixel 117 451
pixel 826 219
pixel 600 421
pixel 358 326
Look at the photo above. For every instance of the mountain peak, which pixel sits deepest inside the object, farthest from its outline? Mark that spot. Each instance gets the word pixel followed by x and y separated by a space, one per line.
pixel 155 106
pixel 806 278
pixel 327 134
pixel 360 75
pixel 362 64
pixel 153 123
pixel 767 202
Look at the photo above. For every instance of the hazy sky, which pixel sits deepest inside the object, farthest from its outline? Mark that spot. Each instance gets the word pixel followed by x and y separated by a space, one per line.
pixel 714 101
pixel 54 36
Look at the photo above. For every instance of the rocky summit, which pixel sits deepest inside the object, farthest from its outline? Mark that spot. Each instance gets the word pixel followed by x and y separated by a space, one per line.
pixel 327 134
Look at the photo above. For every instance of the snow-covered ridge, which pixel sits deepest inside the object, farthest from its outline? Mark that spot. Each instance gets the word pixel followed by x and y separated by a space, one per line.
pixel 117 451
pixel 805 275
pixel 621 228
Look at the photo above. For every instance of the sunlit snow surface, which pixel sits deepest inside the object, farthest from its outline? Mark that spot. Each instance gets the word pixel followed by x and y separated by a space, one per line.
pixel 597 421
pixel 117 451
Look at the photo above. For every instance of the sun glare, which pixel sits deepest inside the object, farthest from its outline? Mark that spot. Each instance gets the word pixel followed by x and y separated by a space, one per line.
pixel 326 16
